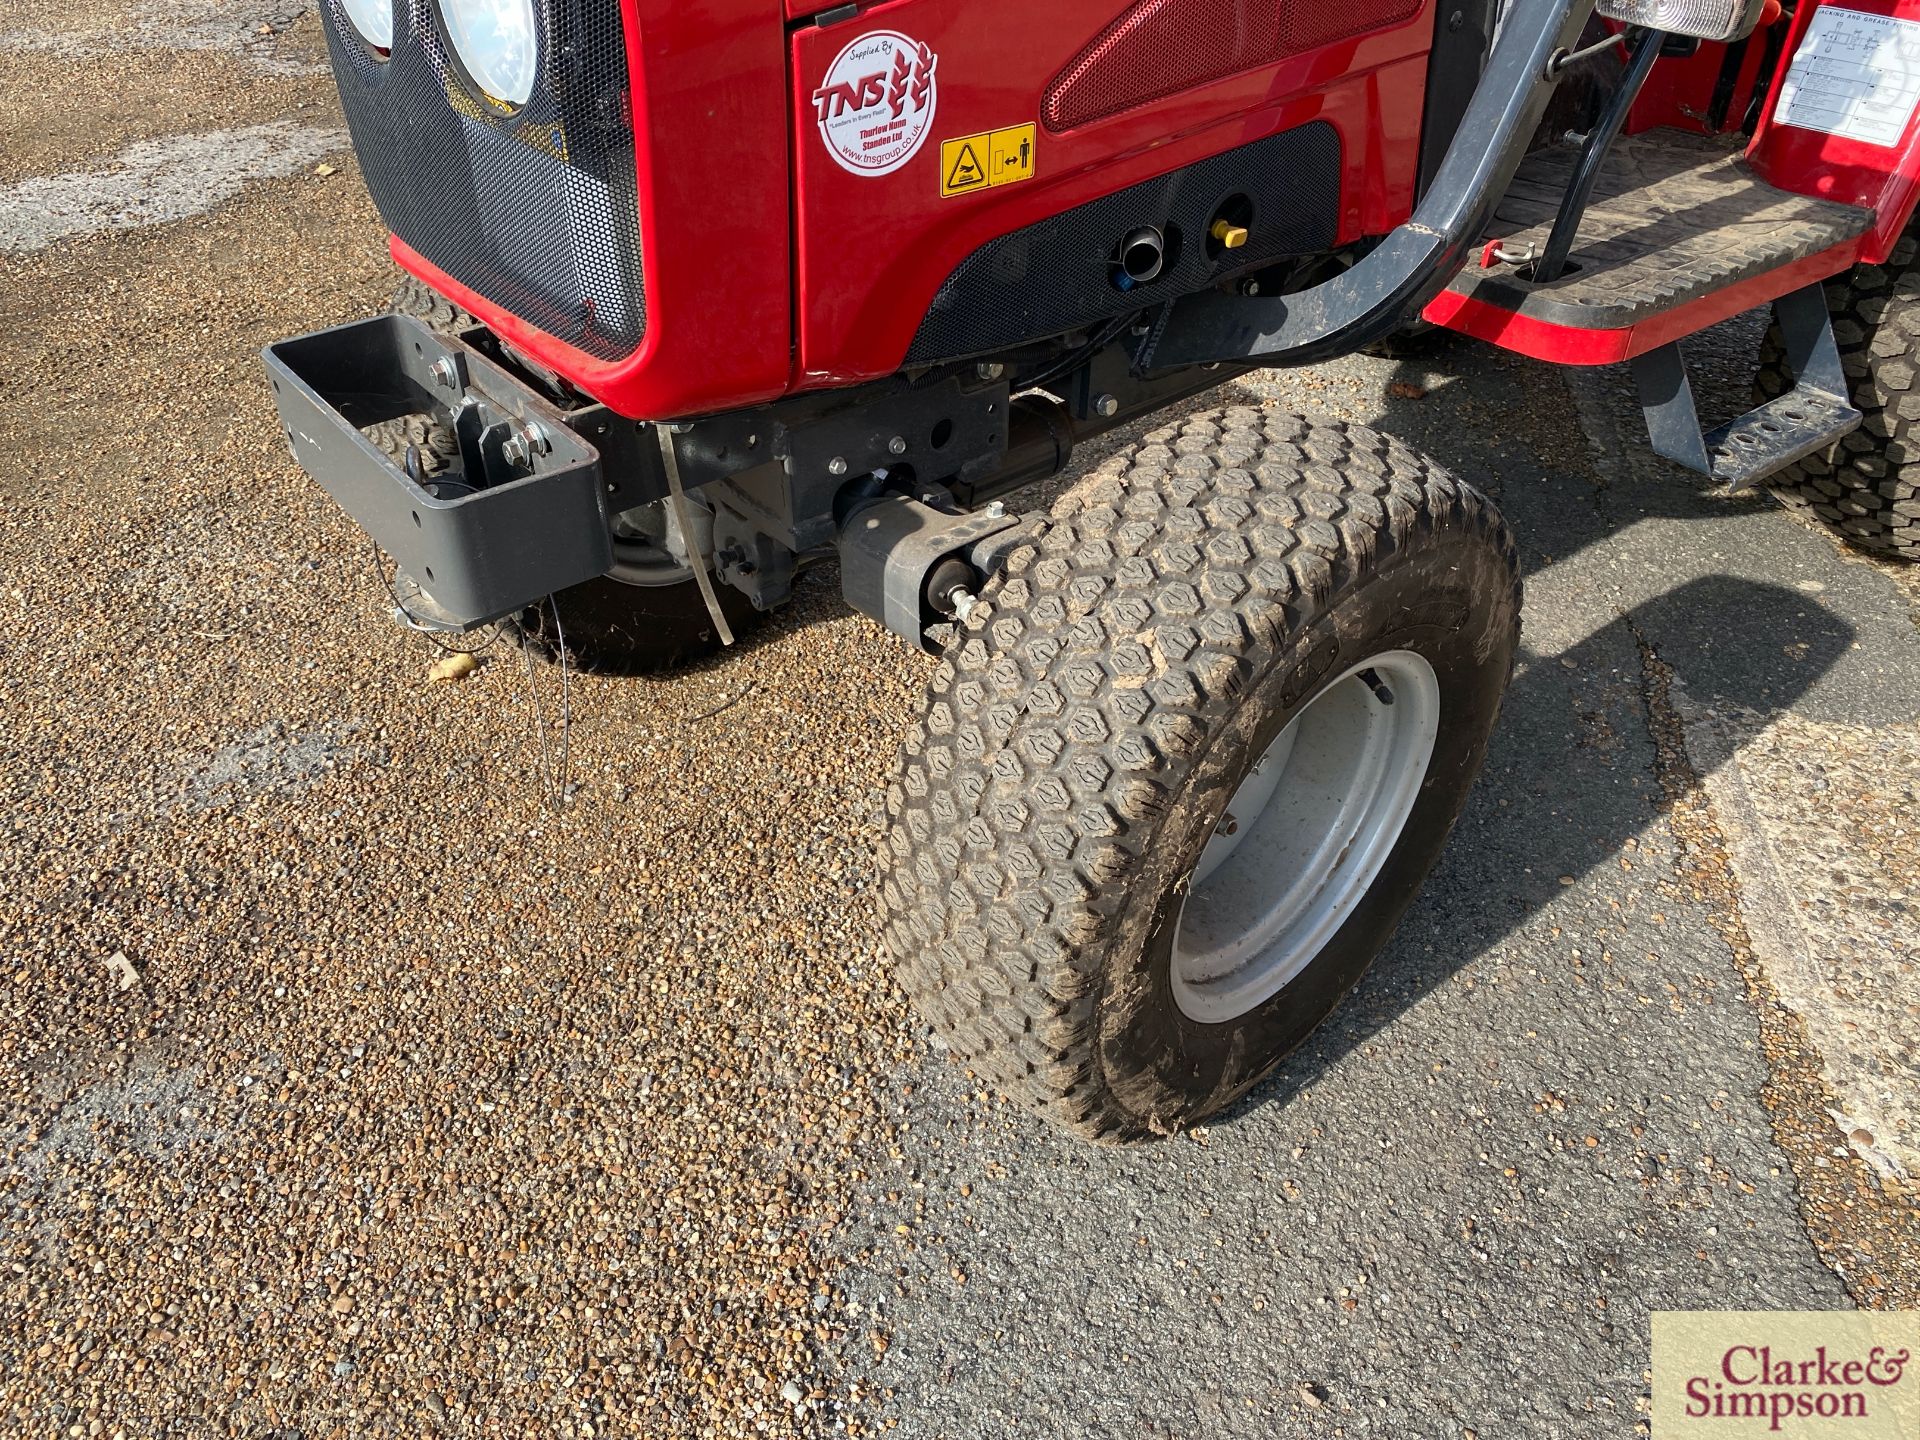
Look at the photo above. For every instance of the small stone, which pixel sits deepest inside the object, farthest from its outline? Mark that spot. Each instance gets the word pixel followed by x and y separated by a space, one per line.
pixel 455 667
pixel 792 1393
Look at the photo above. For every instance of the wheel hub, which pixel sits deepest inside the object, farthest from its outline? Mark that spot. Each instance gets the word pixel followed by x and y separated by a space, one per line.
pixel 1304 836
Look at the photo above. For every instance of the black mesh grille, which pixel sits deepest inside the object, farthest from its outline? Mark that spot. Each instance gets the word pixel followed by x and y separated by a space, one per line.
pixel 1058 275
pixel 536 211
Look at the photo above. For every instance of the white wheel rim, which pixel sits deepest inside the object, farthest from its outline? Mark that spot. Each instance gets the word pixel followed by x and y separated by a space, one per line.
pixel 1304 836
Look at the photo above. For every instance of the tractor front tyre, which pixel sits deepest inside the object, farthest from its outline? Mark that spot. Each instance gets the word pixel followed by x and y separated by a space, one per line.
pixel 1190 760
pixel 614 627
pixel 1867 487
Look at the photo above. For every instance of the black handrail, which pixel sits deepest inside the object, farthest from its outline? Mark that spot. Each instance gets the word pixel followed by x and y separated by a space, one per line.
pixel 1414 263
pixel 1573 204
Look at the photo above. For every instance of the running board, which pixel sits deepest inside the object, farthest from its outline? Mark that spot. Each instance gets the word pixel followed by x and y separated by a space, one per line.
pixel 1808 418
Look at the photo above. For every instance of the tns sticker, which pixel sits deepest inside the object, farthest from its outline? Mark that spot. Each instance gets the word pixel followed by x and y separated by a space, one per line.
pixel 875 106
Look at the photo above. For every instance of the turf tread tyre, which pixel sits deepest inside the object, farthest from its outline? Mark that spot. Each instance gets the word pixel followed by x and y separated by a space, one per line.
pixel 413 296
pixel 1098 666
pixel 1867 487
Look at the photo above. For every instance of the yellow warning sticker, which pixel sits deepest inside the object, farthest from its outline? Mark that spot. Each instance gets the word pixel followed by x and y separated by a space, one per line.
pixel 993 157
pixel 963 165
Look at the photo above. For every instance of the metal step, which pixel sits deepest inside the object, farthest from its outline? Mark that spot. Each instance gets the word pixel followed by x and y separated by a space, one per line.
pixel 1673 217
pixel 1794 426
pixel 1742 452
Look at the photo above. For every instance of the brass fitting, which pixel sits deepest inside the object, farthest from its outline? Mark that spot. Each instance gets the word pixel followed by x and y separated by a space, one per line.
pixel 1230 235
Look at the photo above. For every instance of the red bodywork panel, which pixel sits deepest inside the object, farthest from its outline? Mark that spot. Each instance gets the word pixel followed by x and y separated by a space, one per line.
pixel 1679 92
pixel 743 209
pixel 772 268
pixel 1809 162
pixel 710 120
pixel 872 251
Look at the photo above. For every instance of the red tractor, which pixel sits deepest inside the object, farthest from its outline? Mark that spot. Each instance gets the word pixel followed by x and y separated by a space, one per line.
pixel 704 294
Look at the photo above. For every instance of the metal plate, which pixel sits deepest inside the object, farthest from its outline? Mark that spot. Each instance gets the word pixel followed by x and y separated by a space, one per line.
pixel 500 536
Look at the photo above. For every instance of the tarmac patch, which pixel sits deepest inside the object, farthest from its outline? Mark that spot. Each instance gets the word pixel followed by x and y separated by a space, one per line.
pixel 156 181
pixel 240 27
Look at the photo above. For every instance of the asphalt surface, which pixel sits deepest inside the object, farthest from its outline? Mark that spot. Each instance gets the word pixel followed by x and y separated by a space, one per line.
pixel 346 1089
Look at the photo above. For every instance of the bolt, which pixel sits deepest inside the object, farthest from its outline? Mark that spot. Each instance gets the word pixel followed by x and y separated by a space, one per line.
pixel 681 427
pixel 513 450
pixel 1249 287
pixel 1456 20
pixel 1228 825
pixel 989 369
pixel 897 445
pixel 837 465
pixel 442 372
pixel 1106 406
pixel 996 510
pixel 963 603
pixel 538 442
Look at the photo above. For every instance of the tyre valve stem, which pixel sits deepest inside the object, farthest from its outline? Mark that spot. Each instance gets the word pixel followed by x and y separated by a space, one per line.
pixel 1378 686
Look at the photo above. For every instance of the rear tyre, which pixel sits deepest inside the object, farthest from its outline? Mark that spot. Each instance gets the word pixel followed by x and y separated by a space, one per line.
pixel 413 296
pixel 1867 487
pixel 613 628
pixel 651 620
pixel 1282 640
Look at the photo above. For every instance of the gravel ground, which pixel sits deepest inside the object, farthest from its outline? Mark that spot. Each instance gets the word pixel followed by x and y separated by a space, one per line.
pixel 347 1089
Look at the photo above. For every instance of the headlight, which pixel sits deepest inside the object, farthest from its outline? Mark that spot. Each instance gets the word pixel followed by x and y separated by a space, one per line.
pixel 495 41
pixel 1703 19
pixel 373 19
